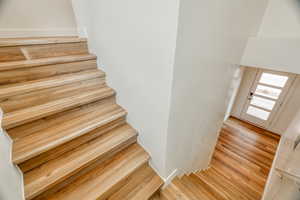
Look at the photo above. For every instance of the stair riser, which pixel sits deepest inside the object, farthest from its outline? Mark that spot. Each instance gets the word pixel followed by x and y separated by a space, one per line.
pixel 72 134
pixel 54 153
pixel 34 73
pixel 44 96
pixel 120 183
pixel 13 120
pixel 130 187
pixel 83 170
pixel 29 52
pixel 23 64
pixel 18 89
pixel 54 120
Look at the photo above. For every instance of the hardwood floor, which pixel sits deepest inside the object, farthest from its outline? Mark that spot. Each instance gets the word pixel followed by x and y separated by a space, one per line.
pixel 70 138
pixel 238 171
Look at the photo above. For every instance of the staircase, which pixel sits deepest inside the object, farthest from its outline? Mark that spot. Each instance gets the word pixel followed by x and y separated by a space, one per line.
pixel 70 138
pixel 238 171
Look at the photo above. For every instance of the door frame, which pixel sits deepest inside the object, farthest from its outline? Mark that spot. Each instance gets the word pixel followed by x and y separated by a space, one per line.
pixel 279 102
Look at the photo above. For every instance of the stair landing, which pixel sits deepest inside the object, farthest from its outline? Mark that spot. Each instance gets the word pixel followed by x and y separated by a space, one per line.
pixel 238 171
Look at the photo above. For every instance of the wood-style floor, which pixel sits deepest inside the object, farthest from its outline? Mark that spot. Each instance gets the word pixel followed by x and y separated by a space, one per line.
pixel 238 171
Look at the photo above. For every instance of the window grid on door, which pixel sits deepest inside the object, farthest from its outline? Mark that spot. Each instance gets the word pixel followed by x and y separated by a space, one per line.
pixel 266 94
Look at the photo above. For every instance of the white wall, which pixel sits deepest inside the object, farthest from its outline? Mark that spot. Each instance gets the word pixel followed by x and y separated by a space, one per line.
pixel 211 38
pixel 280 187
pixel 277 45
pixel 135 41
pixel 36 18
pixel 281 54
pixel 11 181
pixel 282 19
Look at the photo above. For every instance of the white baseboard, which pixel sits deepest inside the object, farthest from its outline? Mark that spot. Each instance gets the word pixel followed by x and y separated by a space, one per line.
pixel 169 179
pixel 15 33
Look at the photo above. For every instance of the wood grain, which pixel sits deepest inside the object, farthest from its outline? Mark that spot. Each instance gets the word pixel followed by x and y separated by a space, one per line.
pixel 39 72
pixel 70 138
pixel 6 42
pixel 40 179
pixel 39 142
pixel 139 186
pixel 30 86
pixel 109 177
pixel 239 169
pixel 26 115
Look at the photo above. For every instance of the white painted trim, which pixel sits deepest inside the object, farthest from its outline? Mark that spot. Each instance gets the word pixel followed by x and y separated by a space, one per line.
pixel 14 33
pixel 169 179
pixel 82 32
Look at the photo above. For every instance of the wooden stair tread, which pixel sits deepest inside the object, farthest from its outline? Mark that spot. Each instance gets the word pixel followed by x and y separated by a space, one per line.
pixel 180 184
pixel 215 183
pixel 106 179
pixel 29 114
pixel 70 138
pixel 11 65
pixel 186 180
pixel 243 161
pixel 21 88
pixel 39 97
pixel 238 125
pixel 230 184
pixel 243 170
pixel 7 42
pixel 172 192
pixel 64 129
pixel 141 185
pixel 231 175
pixel 43 177
pixel 205 189
pixel 156 196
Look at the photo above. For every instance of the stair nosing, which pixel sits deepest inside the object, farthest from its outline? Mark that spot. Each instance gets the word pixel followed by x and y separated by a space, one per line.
pixel 44 83
pixel 144 158
pixel 9 42
pixel 10 119
pixel 145 188
pixel 236 187
pixel 103 140
pixel 89 126
pixel 12 65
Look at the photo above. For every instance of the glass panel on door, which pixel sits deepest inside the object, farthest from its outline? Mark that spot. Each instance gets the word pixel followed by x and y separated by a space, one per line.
pixel 262 103
pixel 269 92
pixel 259 113
pixel 273 79
pixel 265 96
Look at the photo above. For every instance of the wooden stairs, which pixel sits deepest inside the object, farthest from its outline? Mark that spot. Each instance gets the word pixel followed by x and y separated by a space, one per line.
pixel 70 138
pixel 238 170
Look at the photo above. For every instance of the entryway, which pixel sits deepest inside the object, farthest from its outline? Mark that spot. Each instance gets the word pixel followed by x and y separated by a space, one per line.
pixel 267 99
pixel 267 94
pixel 239 168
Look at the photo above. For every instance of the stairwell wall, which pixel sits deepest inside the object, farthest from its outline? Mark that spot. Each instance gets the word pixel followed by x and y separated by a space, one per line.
pixel 11 184
pixel 176 98
pixel 135 44
pixel 277 45
pixel 211 38
pixel 33 18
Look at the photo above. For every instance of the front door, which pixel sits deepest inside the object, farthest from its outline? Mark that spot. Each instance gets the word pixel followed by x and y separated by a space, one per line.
pixel 266 95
